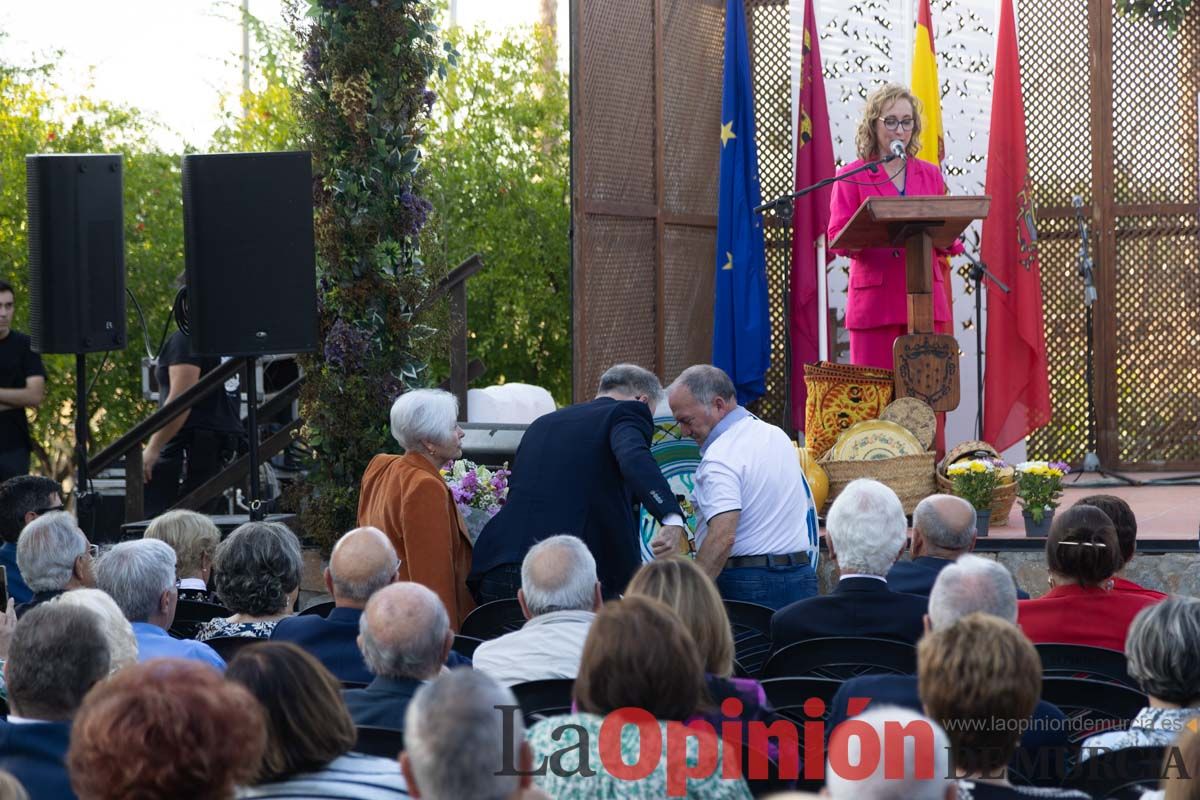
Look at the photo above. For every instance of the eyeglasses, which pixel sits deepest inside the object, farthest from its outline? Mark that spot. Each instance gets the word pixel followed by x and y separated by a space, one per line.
pixel 93 550
pixel 891 123
pixel 48 509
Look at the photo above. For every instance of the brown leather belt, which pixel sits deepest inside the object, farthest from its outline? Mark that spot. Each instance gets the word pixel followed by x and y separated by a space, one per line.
pixel 779 560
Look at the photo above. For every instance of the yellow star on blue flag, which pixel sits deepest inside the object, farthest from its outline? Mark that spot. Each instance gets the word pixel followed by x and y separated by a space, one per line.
pixel 727 133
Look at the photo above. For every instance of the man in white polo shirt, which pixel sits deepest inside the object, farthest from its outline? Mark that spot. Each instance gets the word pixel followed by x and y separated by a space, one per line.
pixel 757 525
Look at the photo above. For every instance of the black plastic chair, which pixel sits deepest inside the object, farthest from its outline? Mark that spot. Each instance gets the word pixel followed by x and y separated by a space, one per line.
pixel 788 695
pixel 383 742
pixel 493 619
pixel 1092 707
pixel 840 658
pixel 1080 661
pixel 321 609
pixel 228 646
pixel 353 685
pixel 1123 773
pixel 465 645
pixel 751 624
pixel 190 615
pixel 541 699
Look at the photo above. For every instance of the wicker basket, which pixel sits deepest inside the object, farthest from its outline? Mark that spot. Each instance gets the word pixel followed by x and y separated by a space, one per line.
pixel 1003 498
pixel 912 478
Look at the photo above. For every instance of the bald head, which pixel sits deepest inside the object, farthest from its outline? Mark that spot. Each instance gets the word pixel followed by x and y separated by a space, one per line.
pixel 559 574
pixel 946 524
pixel 404 632
pixel 362 562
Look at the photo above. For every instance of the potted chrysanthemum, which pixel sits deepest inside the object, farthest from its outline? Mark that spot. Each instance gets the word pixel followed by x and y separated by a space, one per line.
pixel 974 481
pixel 1039 485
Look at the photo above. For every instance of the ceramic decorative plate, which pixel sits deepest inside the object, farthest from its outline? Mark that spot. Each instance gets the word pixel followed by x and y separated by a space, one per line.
pixel 915 416
pixel 874 440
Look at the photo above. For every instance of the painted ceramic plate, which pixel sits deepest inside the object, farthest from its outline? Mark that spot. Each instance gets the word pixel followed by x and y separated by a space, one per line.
pixel 875 440
pixel 915 416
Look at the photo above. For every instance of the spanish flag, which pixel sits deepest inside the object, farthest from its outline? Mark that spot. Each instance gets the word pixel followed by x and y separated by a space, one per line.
pixel 926 89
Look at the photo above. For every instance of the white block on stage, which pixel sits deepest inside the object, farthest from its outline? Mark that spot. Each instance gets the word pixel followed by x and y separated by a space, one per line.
pixel 509 403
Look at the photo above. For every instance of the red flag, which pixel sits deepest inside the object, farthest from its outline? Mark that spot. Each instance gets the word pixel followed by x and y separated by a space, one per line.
pixel 810 216
pixel 1016 384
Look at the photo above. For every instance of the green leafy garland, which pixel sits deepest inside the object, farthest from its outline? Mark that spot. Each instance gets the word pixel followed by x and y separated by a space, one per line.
pixel 1169 14
pixel 364 103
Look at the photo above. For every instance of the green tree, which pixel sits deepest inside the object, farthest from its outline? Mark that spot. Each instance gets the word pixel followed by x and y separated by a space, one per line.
pixel 498 160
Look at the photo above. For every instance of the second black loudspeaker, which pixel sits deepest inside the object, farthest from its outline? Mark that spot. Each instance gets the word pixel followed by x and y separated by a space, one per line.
pixel 248 248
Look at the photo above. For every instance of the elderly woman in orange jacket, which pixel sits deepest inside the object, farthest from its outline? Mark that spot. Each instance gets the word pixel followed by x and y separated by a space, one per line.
pixel 407 498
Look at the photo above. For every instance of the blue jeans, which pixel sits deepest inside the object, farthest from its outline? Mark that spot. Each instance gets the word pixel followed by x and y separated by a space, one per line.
pixel 773 587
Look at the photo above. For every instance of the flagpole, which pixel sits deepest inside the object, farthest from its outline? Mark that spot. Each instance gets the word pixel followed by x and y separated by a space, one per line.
pixel 822 302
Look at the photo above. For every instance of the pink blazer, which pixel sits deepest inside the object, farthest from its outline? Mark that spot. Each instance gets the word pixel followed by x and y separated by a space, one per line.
pixel 878 295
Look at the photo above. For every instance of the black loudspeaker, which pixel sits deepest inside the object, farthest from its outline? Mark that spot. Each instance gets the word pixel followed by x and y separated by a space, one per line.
pixel 76 253
pixel 248 247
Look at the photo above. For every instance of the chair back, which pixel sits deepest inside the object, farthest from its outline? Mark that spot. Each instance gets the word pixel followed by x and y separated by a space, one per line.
pixel 228 646
pixel 541 699
pixel 841 658
pixel 465 645
pixel 494 619
pixel 382 742
pixel 1124 773
pixel 191 614
pixel 788 695
pixel 321 609
pixel 1081 661
pixel 751 625
pixel 1092 707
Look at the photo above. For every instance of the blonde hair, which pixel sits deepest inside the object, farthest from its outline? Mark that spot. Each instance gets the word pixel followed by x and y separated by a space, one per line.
pixel 683 586
pixel 122 644
pixel 866 143
pixel 191 536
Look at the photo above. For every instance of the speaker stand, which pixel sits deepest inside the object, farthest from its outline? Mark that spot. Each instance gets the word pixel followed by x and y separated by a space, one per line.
pixel 83 495
pixel 251 380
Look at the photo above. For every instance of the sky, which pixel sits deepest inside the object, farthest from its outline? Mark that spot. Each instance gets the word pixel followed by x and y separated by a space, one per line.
pixel 173 58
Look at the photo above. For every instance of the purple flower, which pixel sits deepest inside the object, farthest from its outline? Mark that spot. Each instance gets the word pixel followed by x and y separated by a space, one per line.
pixel 470 481
pixel 417 210
pixel 346 346
pixel 427 99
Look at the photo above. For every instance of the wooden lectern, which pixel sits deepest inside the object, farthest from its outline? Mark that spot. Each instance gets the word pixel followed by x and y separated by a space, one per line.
pixel 926 363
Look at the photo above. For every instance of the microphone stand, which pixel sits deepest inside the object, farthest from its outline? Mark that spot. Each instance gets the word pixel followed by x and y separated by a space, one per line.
pixel 782 207
pixel 978 272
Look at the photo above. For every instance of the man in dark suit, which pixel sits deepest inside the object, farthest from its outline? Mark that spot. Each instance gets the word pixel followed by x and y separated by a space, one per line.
pixel 943 529
pixel 57 654
pixel 866 533
pixel 405 638
pixel 22 500
pixel 362 562
pixel 578 471
pixel 969 585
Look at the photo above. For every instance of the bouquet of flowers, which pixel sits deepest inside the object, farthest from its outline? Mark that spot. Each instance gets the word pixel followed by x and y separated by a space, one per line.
pixel 974 480
pixel 1039 484
pixel 478 492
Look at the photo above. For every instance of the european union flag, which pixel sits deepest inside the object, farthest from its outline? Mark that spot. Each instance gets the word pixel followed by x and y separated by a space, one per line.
pixel 741 325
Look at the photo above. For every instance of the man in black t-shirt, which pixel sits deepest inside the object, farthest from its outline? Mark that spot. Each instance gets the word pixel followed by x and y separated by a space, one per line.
pixel 22 385
pixel 194 446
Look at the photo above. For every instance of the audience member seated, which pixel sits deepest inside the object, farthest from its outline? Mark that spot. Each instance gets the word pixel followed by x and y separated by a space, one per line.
pixel 11 788
pixel 194 538
pixel 53 556
pixel 980 678
pixel 166 730
pixel 866 533
pixel 690 593
pixel 140 577
pixel 309 731
pixel 258 578
pixel 22 500
pixel 969 585
pixel 638 655
pixel 122 644
pixel 362 562
pixel 1163 652
pixel 1125 522
pixel 943 529
pixel 405 637
pixel 1081 607
pixel 456 743
pixel 559 596
pixel 57 654
pixel 925 770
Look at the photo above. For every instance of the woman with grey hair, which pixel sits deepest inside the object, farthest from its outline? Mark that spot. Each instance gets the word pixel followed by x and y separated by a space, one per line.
pixel 194 538
pixel 258 577
pixel 1163 653
pixel 122 644
pixel 407 498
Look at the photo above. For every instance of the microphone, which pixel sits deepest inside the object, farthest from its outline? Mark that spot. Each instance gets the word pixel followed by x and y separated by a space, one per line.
pixel 898 149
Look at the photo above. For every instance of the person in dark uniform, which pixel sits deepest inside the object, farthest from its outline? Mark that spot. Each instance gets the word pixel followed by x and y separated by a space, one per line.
pixel 22 385
pixel 194 446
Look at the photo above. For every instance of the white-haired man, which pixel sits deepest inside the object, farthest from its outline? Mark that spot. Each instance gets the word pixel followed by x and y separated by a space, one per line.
pixel 54 557
pixel 969 585
pixel 867 532
pixel 559 596
pixel 757 524
pixel 922 773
